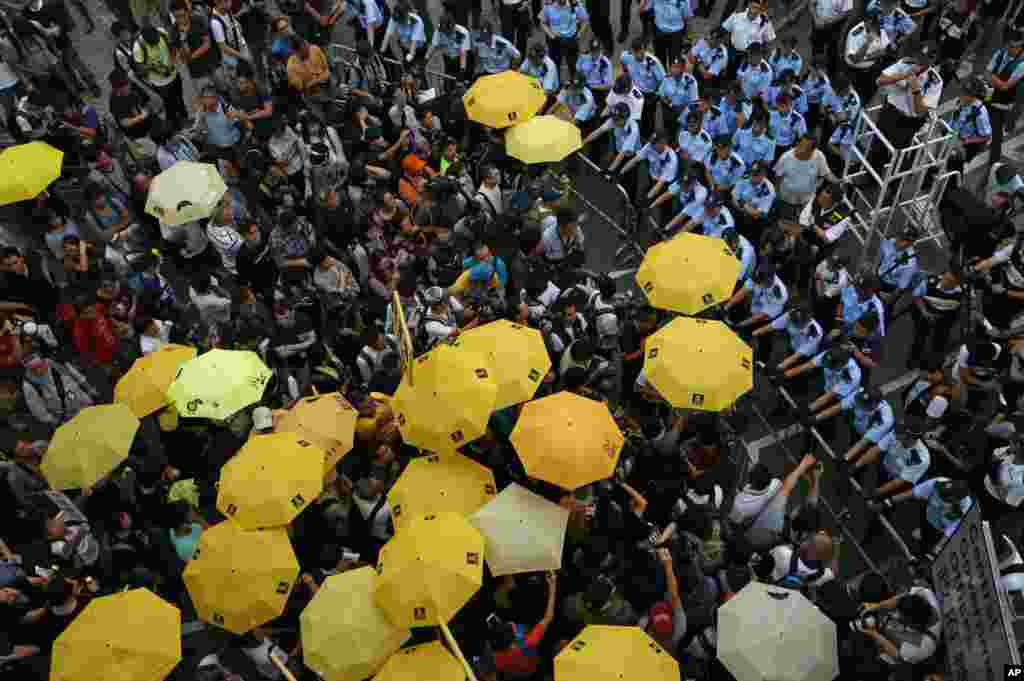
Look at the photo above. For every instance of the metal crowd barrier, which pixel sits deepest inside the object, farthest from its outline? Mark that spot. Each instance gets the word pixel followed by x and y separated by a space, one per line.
pixel 435 79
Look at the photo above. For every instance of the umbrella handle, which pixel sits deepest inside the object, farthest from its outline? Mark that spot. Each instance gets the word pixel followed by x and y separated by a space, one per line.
pixel 458 651
pixel 284 670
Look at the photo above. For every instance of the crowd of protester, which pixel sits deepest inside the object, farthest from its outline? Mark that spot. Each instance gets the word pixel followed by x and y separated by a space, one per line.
pixel 349 180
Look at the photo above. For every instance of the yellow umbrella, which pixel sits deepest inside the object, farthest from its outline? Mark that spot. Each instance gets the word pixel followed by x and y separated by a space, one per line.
pixel 219 383
pixel 128 636
pixel 688 274
pixel 543 139
pixel 523 531
pixel 328 421
pixel 239 579
pixel 185 192
pixel 434 484
pixel 425 662
pixel 144 385
pixel 89 446
pixel 518 358
pixel 270 480
pixel 345 636
pixel 698 364
pixel 451 402
pixel 567 440
pixel 504 99
pixel 26 170
pixel 606 653
pixel 430 570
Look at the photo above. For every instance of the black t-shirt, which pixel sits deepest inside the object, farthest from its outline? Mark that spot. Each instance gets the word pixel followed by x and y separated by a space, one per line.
pixel 129 106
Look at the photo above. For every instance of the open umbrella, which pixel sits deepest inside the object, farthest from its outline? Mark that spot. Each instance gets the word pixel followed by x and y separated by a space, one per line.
pixel 523 531
pixel 543 139
pixel 767 633
pixel 239 579
pixel 504 99
pixel 128 636
pixel 89 446
pixel 427 661
pixel 26 170
pixel 427 572
pixel 698 364
pixel 219 383
pixel 144 386
pixel 270 480
pixel 451 402
pixel 688 274
pixel 518 358
pixel 345 636
pixel 606 653
pixel 328 421
pixel 185 192
pixel 435 484
pixel 567 440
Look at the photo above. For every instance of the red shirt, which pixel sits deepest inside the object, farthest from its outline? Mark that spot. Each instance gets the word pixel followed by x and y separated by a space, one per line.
pixel 522 656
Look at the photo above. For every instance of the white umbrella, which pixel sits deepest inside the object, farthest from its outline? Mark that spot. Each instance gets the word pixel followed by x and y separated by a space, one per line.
pixel 185 192
pixel 524 532
pixel 767 633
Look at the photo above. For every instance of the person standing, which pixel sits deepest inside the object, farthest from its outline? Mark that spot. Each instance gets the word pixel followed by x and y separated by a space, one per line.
pixel 1005 71
pixel 749 27
pixel 829 16
pixel 647 74
pixel 452 41
pixel 155 61
pixel 515 22
pixel 972 124
pixel 494 53
pixel 866 45
pixel 669 27
pixel 562 21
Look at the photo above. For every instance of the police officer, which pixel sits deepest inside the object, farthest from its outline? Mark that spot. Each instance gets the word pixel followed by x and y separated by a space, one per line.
pixel 735 107
pixel 670 27
pixel 842 111
pixel 625 133
pixel 905 458
pixel 768 297
pixel 972 124
pixel 753 143
pixel 912 90
pixel 579 101
pixel 712 220
pixel 830 278
pixel 679 90
pixel 407 30
pixel 594 65
pixel 744 252
pixel 753 198
pixel 828 17
pixel 562 21
pixel 542 67
pixel 755 74
pixel 785 84
pixel 1005 72
pixel 647 73
pixel 723 168
pixel 623 92
pixel 453 42
pixel 369 16
pixel 841 376
pixel 817 89
pixel 494 53
pixel 871 417
pixel 662 164
pixel 516 23
pixel 694 143
pixel 746 28
pixel 935 310
pixel 1004 272
pixel 859 298
pixel 891 18
pixel 710 58
pixel 688 191
pixel 713 119
pixel 866 49
pixel 898 263
pixel 786 125
pixel 803 334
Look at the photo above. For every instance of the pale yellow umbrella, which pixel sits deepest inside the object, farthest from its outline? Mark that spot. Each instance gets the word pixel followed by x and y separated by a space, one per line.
pixel 524 532
pixel 543 139
pixel 90 446
pixel 434 484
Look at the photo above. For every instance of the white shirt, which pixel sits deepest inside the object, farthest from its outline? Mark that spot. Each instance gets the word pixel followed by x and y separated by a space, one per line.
pixel 914 654
pixel 784 554
pixel 826 12
pixel 745 31
pixel 899 94
pixel 750 502
pixel 855 40
pixel 150 344
pixel 634 99
pixel 1008 486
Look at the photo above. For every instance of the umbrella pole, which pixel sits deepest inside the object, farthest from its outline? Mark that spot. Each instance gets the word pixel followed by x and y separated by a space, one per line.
pixel 284 670
pixel 458 652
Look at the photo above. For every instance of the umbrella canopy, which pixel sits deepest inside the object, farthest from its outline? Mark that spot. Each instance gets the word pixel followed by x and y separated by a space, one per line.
pixel 518 358
pixel 89 446
pixel 345 636
pixel 328 421
pixel 605 653
pixel 239 579
pixel 698 364
pixel 427 572
pixel 144 386
pixel 567 440
pixel 128 636
pixel 543 139
pixel 504 99
pixel 688 274
pixel 451 402
pixel 419 663
pixel 523 531
pixel 270 480
pixel 767 633
pixel 185 192
pixel 219 383
pixel 26 170
pixel 435 484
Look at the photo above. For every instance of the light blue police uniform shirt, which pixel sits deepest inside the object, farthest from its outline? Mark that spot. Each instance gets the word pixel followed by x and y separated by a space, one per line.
pixel 409 32
pixel 598 71
pixel 897 268
pixel 755 79
pixel 714 59
pixel 691 199
pixel 804 339
pixel 680 92
pixel 789 61
pixel 761 197
pixel 725 172
pixel 564 20
pixel 731 112
pixel 627 138
pixel 662 167
pixel 670 15
pixel 936 513
pixel 904 463
pixel 843 137
pixel 366 12
pixel 452 44
pixel 800 103
pixel 817 90
pixel 748 259
pixel 546 72
pixel 579 101
pixel 850 103
pixel 497 55
pixel 715 225
pixel 871 424
pixel 786 130
pixel 695 147
pixel 897 24
pixel 751 148
pixel 853 308
pixel 768 300
pixel 1001 59
pixel 840 382
pixel 972 121
pixel 646 72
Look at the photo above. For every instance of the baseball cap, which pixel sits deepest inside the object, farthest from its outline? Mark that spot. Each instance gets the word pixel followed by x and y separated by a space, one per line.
pixel 481 273
pixel 262 418
pixel 661 619
pixel 413 164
